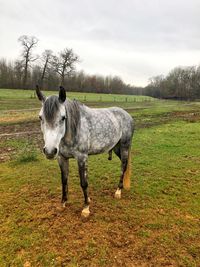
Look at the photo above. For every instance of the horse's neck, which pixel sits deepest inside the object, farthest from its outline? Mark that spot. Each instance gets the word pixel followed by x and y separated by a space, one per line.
pixel 73 114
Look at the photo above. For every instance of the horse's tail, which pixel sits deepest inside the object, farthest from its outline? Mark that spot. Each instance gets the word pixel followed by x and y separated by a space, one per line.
pixel 127 174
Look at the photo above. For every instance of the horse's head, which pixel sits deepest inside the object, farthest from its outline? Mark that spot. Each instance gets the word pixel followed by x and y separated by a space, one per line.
pixel 53 120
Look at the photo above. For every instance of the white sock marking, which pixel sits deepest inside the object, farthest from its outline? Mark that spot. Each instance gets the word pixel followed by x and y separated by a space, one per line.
pixel 85 212
pixel 118 193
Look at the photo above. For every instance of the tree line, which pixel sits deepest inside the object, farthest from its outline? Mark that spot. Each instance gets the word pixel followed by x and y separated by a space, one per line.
pixel 50 70
pixel 182 83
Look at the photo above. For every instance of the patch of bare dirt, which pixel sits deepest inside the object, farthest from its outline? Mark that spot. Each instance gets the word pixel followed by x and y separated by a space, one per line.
pixel 19 127
pixel 167 117
pixel 97 241
pixel 26 130
pixel 192 116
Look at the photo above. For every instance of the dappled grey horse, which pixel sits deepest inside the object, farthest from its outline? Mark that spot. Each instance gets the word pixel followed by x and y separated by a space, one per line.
pixel 73 130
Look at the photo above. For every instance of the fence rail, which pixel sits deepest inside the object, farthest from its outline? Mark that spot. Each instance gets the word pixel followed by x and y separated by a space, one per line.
pixel 86 98
pixel 108 98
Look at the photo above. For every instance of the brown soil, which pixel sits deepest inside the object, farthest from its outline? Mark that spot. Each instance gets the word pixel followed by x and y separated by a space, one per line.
pixel 19 127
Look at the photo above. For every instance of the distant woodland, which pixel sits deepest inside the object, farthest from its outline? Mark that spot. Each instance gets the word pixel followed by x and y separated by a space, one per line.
pixel 182 83
pixel 49 70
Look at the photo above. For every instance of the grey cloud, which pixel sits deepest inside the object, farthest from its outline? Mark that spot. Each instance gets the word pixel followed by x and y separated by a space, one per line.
pixel 134 34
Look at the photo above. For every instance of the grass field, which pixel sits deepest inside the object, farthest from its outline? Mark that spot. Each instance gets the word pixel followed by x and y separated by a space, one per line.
pixel 156 223
pixel 7 96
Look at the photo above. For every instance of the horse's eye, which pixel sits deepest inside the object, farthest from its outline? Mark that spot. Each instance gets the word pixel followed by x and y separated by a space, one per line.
pixel 63 118
pixel 40 117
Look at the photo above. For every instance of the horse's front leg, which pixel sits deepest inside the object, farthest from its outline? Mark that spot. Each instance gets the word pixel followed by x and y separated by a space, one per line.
pixel 64 167
pixel 84 184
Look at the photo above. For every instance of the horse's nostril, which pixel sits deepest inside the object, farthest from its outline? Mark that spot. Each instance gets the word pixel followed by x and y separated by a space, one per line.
pixel 50 154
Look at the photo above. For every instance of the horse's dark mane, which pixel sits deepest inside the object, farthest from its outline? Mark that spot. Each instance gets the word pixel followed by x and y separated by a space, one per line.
pixel 50 108
pixel 73 119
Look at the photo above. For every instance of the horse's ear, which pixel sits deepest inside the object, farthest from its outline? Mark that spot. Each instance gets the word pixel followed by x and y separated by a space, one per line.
pixel 62 94
pixel 40 95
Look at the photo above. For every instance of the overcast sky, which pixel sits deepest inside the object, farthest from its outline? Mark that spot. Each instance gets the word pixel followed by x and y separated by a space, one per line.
pixel 134 39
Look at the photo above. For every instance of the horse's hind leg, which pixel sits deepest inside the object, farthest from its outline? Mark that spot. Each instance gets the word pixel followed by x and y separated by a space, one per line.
pixel 123 152
pixel 84 184
pixel 110 155
pixel 117 150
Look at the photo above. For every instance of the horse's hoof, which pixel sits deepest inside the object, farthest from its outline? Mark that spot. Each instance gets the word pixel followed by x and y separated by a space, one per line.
pixel 118 193
pixel 64 204
pixel 85 212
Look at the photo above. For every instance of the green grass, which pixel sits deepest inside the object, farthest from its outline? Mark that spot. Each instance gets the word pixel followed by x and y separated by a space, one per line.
pixel 18 106
pixel 29 94
pixel 27 98
pixel 156 223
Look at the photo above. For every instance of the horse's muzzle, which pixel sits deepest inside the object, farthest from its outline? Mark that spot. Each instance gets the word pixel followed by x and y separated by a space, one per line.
pixel 50 154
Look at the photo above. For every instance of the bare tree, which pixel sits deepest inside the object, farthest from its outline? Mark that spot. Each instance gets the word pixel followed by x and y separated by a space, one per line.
pixel 46 60
pixel 28 43
pixel 64 64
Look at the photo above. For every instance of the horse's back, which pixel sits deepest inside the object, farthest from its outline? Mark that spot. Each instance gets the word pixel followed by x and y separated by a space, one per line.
pixel 104 128
pixel 126 121
pixel 122 119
